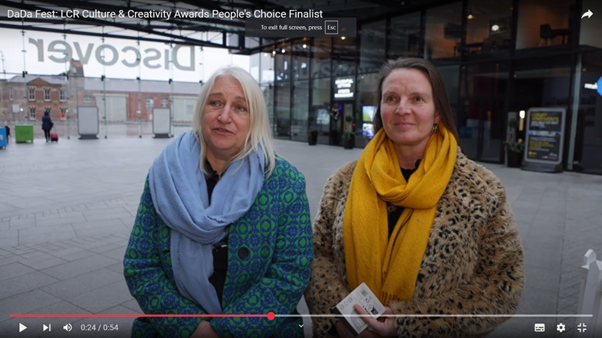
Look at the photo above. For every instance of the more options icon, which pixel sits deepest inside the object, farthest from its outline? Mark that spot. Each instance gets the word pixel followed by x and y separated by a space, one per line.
pixel 540 327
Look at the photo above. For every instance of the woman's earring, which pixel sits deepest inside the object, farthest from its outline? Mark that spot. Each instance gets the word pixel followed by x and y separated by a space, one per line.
pixel 435 128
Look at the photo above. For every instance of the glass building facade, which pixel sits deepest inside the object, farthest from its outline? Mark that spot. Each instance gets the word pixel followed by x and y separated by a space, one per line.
pixel 497 58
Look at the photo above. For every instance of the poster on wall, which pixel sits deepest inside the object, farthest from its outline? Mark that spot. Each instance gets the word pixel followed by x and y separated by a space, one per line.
pixel 544 139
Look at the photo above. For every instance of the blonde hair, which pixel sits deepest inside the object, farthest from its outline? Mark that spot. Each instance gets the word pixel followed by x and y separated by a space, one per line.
pixel 259 125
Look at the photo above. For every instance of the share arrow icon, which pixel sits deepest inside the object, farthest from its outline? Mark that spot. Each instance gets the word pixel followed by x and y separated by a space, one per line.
pixel 588 14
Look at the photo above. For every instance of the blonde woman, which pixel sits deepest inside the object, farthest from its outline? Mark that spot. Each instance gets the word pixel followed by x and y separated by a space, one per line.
pixel 428 230
pixel 223 225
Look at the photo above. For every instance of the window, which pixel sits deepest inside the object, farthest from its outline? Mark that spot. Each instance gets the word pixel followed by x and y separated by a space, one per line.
pixel 443 31
pixel 283 110
pixel 87 99
pixel 301 61
pixel 32 113
pixel 545 23
pixel 299 110
pixel 372 50
pixel 255 59
pixel 267 67
pixel 488 27
pixel 149 103
pixel 589 132
pixel 164 102
pixel 62 95
pixel 320 59
pixel 63 114
pixel 46 94
pixel 405 37
pixel 10 93
pixel 32 93
pixel 283 63
pixel 268 94
pixel 343 55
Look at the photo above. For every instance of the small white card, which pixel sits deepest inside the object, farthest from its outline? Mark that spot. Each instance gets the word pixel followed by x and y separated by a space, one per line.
pixel 363 296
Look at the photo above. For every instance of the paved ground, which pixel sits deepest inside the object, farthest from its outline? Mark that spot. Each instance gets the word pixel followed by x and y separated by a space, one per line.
pixel 66 211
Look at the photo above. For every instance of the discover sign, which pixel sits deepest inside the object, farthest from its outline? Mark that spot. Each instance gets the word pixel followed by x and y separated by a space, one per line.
pixel 49 54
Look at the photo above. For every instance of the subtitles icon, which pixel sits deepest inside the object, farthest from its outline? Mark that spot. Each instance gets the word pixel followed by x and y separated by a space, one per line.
pixel 540 327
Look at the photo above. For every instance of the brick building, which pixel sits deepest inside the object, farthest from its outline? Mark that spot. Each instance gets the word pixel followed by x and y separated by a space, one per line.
pixel 32 95
pixel 28 97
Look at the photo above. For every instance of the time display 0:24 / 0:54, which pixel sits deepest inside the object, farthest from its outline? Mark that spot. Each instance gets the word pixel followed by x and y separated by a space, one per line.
pixel 99 327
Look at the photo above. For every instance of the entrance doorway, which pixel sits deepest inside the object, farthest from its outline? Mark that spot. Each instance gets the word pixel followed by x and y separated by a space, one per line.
pixel 338 123
pixel 481 129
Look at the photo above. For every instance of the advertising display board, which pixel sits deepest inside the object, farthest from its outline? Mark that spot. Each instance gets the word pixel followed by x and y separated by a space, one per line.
pixel 161 122
pixel 544 139
pixel 322 118
pixel 87 122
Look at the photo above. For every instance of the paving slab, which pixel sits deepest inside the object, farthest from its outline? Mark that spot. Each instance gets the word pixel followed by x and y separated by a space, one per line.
pixel 82 284
pixel 78 267
pixel 103 298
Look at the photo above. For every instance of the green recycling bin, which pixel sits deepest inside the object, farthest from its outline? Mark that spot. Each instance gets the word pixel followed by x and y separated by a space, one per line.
pixel 23 133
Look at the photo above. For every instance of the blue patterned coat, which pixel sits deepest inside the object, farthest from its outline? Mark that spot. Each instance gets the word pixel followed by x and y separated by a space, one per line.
pixel 269 264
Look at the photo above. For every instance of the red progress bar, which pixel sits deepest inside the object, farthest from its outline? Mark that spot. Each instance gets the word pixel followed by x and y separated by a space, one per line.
pixel 270 315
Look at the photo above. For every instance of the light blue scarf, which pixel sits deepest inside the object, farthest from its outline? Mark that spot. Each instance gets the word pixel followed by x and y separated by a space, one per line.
pixel 179 193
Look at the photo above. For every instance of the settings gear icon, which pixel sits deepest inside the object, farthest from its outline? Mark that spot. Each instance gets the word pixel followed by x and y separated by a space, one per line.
pixel 560 327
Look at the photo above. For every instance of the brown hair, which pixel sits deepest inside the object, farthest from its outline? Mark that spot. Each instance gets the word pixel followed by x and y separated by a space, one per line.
pixel 442 105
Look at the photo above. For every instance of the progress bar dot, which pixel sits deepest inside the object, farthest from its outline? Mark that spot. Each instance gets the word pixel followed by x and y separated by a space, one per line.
pixel 271 315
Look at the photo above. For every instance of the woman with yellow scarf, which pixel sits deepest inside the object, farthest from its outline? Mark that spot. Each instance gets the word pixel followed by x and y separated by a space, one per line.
pixel 428 230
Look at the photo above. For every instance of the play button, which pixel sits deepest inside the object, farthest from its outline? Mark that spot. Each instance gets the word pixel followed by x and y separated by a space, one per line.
pixel 22 327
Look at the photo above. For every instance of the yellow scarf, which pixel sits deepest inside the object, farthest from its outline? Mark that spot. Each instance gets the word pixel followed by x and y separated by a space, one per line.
pixel 390 266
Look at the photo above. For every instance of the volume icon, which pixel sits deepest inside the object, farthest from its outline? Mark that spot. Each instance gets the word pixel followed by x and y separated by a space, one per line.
pixel 67 327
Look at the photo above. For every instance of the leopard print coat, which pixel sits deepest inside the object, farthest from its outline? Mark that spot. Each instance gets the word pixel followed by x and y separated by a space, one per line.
pixel 473 262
